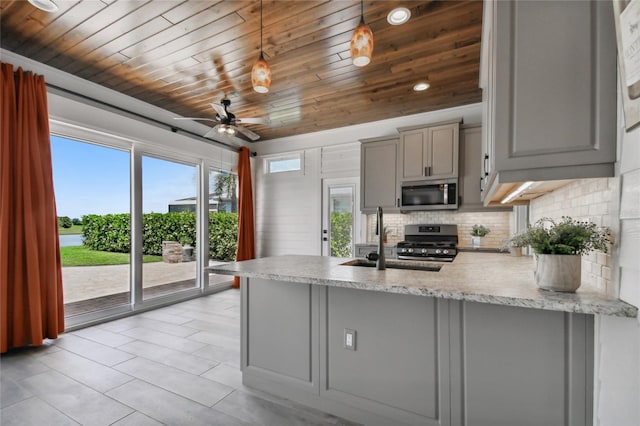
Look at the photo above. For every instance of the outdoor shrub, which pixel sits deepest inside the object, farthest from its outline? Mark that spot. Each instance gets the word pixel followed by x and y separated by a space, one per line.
pixel 107 233
pixel 76 221
pixel 64 222
pixel 111 232
pixel 341 234
pixel 223 235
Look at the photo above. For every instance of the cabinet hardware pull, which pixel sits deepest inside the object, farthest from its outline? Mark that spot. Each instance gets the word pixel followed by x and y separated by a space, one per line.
pixel 398 202
pixel 481 180
pixel 486 157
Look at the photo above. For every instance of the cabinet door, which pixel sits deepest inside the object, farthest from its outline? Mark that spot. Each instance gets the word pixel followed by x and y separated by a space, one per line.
pixel 555 88
pixel 442 151
pixel 413 154
pixel 378 175
pixel 471 173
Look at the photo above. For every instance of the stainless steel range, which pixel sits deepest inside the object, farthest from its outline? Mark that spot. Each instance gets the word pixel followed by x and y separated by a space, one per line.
pixel 429 242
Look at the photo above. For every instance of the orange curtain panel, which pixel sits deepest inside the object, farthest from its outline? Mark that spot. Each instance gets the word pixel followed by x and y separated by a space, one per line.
pixel 246 240
pixel 31 302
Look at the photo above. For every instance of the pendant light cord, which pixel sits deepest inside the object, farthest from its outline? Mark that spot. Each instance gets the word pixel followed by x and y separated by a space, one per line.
pixel 260 27
pixel 361 11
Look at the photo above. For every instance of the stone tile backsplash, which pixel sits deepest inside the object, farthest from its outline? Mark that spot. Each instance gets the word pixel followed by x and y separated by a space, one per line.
pixel 497 222
pixel 594 200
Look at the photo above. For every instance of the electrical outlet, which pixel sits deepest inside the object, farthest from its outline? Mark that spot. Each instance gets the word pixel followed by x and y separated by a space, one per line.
pixel 349 339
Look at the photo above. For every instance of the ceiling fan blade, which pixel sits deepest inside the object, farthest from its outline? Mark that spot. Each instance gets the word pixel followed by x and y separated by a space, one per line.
pixel 254 120
pixel 195 118
pixel 248 133
pixel 219 110
pixel 212 132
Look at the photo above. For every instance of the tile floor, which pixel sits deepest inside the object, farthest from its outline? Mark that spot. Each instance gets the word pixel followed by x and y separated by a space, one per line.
pixel 177 365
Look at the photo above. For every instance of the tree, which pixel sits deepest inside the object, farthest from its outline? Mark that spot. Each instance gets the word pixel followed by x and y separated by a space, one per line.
pixel 224 188
pixel 64 222
pixel 76 221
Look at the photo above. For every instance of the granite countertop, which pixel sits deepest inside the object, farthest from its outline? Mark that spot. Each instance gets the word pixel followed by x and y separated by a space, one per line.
pixel 473 276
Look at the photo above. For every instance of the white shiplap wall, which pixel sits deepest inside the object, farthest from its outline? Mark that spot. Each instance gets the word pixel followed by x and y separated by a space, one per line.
pixel 288 209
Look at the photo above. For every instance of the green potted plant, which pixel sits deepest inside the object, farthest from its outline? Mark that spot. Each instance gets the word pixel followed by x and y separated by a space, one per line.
pixel 558 248
pixel 477 232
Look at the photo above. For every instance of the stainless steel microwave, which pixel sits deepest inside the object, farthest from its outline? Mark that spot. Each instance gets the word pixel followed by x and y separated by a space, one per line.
pixel 429 195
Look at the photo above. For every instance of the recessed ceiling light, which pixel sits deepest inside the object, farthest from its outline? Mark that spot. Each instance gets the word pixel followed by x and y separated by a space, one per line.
pixel 46 5
pixel 398 16
pixel 422 86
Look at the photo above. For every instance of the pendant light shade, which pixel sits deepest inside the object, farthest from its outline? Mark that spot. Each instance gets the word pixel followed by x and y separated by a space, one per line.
pixel 361 42
pixel 261 73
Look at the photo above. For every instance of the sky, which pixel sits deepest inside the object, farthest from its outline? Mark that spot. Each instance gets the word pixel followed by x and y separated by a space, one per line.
pixel 92 179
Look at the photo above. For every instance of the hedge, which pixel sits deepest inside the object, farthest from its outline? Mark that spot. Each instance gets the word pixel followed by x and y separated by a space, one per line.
pixel 341 223
pixel 111 232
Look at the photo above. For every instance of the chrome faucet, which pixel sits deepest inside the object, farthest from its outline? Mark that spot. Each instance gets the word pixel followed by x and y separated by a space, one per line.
pixel 381 263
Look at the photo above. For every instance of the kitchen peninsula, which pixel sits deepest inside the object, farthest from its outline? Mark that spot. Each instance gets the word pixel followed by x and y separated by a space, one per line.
pixel 473 343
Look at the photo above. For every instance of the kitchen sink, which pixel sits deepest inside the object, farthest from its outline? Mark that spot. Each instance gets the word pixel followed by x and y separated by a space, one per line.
pixel 394 264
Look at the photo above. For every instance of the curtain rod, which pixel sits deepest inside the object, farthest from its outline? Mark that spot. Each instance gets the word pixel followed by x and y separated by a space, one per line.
pixel 174 129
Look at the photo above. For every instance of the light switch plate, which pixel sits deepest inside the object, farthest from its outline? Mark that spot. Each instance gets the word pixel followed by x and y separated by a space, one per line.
pixel 349 339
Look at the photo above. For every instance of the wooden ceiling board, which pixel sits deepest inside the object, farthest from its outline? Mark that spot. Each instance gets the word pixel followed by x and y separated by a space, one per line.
pixel 183 55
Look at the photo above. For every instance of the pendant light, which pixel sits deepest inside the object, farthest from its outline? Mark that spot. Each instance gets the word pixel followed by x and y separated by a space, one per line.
pixel 261 73
pixel 361 42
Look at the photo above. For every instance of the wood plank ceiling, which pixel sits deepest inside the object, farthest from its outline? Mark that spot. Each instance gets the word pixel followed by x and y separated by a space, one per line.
pixel 182 55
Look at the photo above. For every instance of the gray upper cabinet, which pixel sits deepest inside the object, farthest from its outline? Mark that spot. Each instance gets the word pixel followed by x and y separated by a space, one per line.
pixel 548 75
pixel 379 158
pixel 471 170
pixel 429 152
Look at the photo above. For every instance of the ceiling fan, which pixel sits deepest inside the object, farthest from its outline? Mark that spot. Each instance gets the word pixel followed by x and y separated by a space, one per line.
pixel 227 122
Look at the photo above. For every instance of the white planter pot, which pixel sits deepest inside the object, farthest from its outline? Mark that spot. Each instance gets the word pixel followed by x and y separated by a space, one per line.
pixel 475 241
pixel 557 272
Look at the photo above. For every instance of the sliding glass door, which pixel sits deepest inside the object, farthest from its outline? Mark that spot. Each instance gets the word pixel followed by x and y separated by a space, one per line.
pixel 169 222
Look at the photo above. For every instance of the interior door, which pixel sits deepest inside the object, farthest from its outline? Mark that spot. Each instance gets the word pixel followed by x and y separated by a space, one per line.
pixel 340 216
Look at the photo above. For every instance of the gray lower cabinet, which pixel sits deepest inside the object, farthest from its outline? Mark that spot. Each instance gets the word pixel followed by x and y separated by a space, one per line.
pixel 416 360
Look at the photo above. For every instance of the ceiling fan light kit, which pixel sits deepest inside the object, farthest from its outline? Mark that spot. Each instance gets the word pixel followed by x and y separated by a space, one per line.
pixel 361 42
pixel 46 5
pixel 261 72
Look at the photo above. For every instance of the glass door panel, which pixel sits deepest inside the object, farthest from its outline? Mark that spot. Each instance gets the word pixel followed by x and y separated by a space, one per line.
pixel 169 218
pixel 339 221
pixel 223 221
pixel 92 190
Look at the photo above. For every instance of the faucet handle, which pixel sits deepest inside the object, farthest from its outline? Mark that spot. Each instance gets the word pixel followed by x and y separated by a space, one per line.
pixel 373 256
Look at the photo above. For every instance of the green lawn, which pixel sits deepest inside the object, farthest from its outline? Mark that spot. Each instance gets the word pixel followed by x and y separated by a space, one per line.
pixel 75 229
pixel 81 256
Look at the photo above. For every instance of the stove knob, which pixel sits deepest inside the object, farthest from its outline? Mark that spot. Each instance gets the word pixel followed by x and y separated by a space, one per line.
pixel 445 251
pixel 410 250
pixel 423 251
pixel 438 251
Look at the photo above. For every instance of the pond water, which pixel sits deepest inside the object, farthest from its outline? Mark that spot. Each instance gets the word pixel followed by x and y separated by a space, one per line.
pixel 70 240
